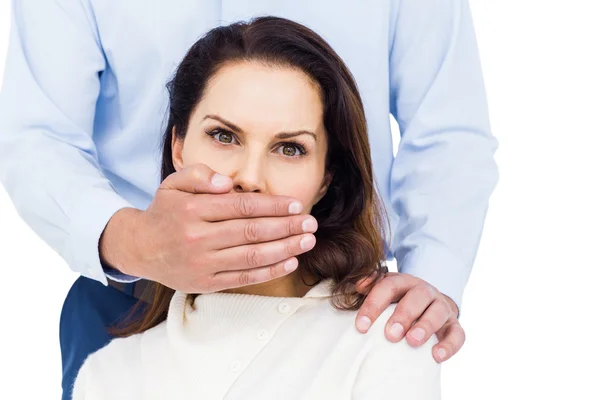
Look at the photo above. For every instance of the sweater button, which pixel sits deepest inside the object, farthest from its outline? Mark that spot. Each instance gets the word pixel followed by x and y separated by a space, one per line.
pixel 235 366
pixel 262 334
pixel 283 308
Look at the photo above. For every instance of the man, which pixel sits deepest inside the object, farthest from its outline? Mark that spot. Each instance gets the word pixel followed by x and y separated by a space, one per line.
pixel 81 114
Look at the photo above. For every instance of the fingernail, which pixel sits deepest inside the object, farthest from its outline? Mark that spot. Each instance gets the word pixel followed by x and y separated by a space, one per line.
pixel 363 324
pixel 418 334
pixel 307 242
pixel 295 208
pixel 309 225
pixel 441 353
pixel 290 265
pixel 396 330
pixel 219 181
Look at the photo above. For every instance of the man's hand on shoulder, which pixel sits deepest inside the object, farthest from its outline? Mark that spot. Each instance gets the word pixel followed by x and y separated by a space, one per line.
pixel 421 311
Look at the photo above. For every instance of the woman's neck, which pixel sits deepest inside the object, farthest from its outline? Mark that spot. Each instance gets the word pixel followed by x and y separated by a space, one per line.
pixel 290 285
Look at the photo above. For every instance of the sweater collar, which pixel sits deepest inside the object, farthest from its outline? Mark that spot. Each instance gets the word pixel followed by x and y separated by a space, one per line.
pixel 216 316
pixel 320 290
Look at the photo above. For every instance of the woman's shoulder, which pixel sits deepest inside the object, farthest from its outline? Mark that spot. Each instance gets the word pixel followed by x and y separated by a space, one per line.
pixel 375 338
pixel 128 349
pixel 118 350
pixel 397 367
pixel 117 366
pixel 107 363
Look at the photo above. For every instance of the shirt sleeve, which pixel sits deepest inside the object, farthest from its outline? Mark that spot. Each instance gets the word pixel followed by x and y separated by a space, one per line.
pixel 398 370
pixel 444 170
pixel 48 160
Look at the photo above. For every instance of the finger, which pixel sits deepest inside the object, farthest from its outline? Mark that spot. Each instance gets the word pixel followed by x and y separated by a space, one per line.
pixel 234 279
pixel 245 205
pixel 409 309
pixel 388 290
pixel 197 178
pixel 451 340
pixel 263 254
pixel 239 232
pixel 362 286
pixel 452 305
pixel 436 315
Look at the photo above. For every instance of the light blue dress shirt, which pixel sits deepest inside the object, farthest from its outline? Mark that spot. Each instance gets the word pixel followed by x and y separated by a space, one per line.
pixel 83 106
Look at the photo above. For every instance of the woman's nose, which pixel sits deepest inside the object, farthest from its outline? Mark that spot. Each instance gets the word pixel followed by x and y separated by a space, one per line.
pixel 249 177
pixel 247 188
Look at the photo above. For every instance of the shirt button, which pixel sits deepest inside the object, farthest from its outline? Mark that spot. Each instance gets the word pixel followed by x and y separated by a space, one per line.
pixel 262 334
pixel 235 366
pixel 283 308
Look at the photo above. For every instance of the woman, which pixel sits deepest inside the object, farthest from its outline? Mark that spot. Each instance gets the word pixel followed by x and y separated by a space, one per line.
pixel 271 105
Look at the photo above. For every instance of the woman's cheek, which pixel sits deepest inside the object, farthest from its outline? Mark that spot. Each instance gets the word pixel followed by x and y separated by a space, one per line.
pixel 214 160
pixel 303 187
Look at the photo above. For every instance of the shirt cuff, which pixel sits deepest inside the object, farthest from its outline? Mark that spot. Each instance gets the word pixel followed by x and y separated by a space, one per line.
pixel 118 276
pixel 90 215
pixel 437 266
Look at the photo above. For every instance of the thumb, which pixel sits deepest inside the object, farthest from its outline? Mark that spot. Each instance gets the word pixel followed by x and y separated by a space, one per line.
pixel 198 178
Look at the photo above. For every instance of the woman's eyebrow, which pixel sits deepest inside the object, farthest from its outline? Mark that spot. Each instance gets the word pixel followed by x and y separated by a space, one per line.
pixel 237 129
pixel 230 125
pixel 287 135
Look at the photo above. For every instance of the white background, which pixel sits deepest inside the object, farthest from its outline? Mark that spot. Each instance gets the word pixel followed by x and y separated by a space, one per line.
pixel 531 307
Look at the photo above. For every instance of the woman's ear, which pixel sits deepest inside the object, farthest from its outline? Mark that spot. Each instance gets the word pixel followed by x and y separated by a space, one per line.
pixel 324 186
pixel 176 151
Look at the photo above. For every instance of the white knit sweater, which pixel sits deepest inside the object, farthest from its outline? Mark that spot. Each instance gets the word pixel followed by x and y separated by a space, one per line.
pixel 238 346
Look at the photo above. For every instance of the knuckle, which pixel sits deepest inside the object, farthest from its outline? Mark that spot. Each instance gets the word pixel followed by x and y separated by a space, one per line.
pixel 251 232
pixel 395 290
pixel 197 172
pixel 404 315
pixel 460 334
pixel 290 227
pixel 189 207
pixel 244 205
pixel 252 278
pixel 252 258
pixel 447 309
pixel 199 168
pixel 391 282
pixel 426 290
pixel 196 234
pixel 189 236
pixel 278 208
pixel 289 248
pixel 204 283
pixel 244 278
pixel 370 307
pixel 273 271
pixel 166 183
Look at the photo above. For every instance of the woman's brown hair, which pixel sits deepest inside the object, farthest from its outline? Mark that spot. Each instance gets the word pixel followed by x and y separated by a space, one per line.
pixel 351 234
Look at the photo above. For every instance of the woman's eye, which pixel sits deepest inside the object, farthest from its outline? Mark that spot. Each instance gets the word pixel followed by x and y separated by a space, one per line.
pixel 224 137
pixel 292 150
pixel 289 150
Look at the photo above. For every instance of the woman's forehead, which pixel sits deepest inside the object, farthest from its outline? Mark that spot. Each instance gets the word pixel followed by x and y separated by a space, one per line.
pixel 261 97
